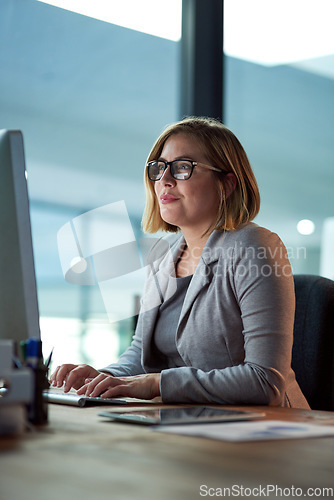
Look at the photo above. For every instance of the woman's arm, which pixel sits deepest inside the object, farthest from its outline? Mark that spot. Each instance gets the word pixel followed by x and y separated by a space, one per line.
pixel 129 363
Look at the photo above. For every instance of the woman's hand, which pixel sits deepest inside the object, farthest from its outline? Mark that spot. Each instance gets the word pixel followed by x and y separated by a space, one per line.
pixel 72 376
pixel 145 386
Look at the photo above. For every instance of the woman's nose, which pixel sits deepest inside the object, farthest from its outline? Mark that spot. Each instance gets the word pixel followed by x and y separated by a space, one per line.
pixel 167 178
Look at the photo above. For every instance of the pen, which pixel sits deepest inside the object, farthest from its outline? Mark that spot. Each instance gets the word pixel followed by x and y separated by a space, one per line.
pixel 48 361
pixel 23 347
pixel 17 362
pixel 34 352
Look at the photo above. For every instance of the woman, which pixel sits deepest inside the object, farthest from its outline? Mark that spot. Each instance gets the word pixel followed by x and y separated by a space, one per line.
pixel 216 321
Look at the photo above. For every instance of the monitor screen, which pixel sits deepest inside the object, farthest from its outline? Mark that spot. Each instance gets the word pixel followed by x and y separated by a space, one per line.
pixel 19 316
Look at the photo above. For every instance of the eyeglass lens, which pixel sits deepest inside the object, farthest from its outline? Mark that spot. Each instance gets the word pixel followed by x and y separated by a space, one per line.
pixel 180 169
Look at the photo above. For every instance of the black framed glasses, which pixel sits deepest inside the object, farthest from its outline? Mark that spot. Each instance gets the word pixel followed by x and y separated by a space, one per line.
pixel 181 170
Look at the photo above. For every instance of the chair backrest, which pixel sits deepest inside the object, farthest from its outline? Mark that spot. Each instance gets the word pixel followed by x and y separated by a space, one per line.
pixel 313 346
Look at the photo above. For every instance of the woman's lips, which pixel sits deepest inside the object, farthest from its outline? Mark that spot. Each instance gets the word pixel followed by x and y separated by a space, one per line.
pixel 167 198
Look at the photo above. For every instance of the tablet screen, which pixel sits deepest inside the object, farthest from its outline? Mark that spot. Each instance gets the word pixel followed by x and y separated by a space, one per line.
pixel 187 415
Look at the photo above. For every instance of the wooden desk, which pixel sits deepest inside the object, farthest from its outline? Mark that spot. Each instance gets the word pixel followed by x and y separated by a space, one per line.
pixel 79 456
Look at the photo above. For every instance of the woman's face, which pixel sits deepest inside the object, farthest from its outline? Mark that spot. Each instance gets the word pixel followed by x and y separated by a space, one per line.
pixel 192 204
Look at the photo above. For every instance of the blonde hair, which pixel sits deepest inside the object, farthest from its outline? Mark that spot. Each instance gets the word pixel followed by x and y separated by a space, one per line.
pixel 224 151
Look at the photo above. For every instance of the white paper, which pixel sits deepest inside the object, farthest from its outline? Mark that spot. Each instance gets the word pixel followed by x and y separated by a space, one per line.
pixel 250 431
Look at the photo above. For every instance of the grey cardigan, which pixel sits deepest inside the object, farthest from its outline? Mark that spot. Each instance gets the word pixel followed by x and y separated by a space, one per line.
pixel 235 331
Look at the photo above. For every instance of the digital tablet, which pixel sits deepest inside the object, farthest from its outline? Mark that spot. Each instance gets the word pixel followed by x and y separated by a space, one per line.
pixel 187 415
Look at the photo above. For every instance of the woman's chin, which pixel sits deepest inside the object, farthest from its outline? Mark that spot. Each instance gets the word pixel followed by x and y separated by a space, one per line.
pixel 169 219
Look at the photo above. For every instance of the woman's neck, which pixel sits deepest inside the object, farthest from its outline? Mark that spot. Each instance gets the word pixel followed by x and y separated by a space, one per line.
pixel 195 242
pixel 191 255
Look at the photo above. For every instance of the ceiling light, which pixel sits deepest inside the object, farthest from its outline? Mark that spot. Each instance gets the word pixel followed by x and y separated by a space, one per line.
pixel 162 19
pixel 274 32
pixel 305 226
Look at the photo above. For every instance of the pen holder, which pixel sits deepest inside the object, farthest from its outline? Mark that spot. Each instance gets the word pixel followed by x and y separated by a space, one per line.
pixel 38 408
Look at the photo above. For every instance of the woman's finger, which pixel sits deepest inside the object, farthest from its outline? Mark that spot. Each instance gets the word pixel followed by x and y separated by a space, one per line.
pixel 90 384
pixel 100 384
pixel 76 377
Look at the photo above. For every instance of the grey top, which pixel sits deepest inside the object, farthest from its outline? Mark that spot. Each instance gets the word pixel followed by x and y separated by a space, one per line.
pixel 235 329
pixel 167 321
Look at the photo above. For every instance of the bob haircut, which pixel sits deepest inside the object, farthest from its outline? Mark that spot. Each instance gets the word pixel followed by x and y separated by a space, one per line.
pixel 223 151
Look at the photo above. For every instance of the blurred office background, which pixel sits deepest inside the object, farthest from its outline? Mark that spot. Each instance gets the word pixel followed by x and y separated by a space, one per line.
pixel 91 96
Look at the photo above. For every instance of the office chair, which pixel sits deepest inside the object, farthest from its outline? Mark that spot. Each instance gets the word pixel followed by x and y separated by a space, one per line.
pixel 313 346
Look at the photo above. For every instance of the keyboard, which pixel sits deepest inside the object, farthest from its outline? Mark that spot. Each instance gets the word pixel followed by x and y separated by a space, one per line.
pixel 72 399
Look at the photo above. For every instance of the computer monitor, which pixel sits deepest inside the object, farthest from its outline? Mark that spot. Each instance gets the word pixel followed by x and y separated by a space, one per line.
pixel 19 315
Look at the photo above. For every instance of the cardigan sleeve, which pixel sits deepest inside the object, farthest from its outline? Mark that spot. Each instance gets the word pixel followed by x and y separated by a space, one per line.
pixel 129 363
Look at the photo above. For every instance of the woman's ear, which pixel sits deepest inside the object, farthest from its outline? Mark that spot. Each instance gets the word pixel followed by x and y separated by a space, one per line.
pixel 230 183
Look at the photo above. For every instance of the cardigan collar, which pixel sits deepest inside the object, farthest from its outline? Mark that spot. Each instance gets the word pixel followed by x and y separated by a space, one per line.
pixel 210 252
